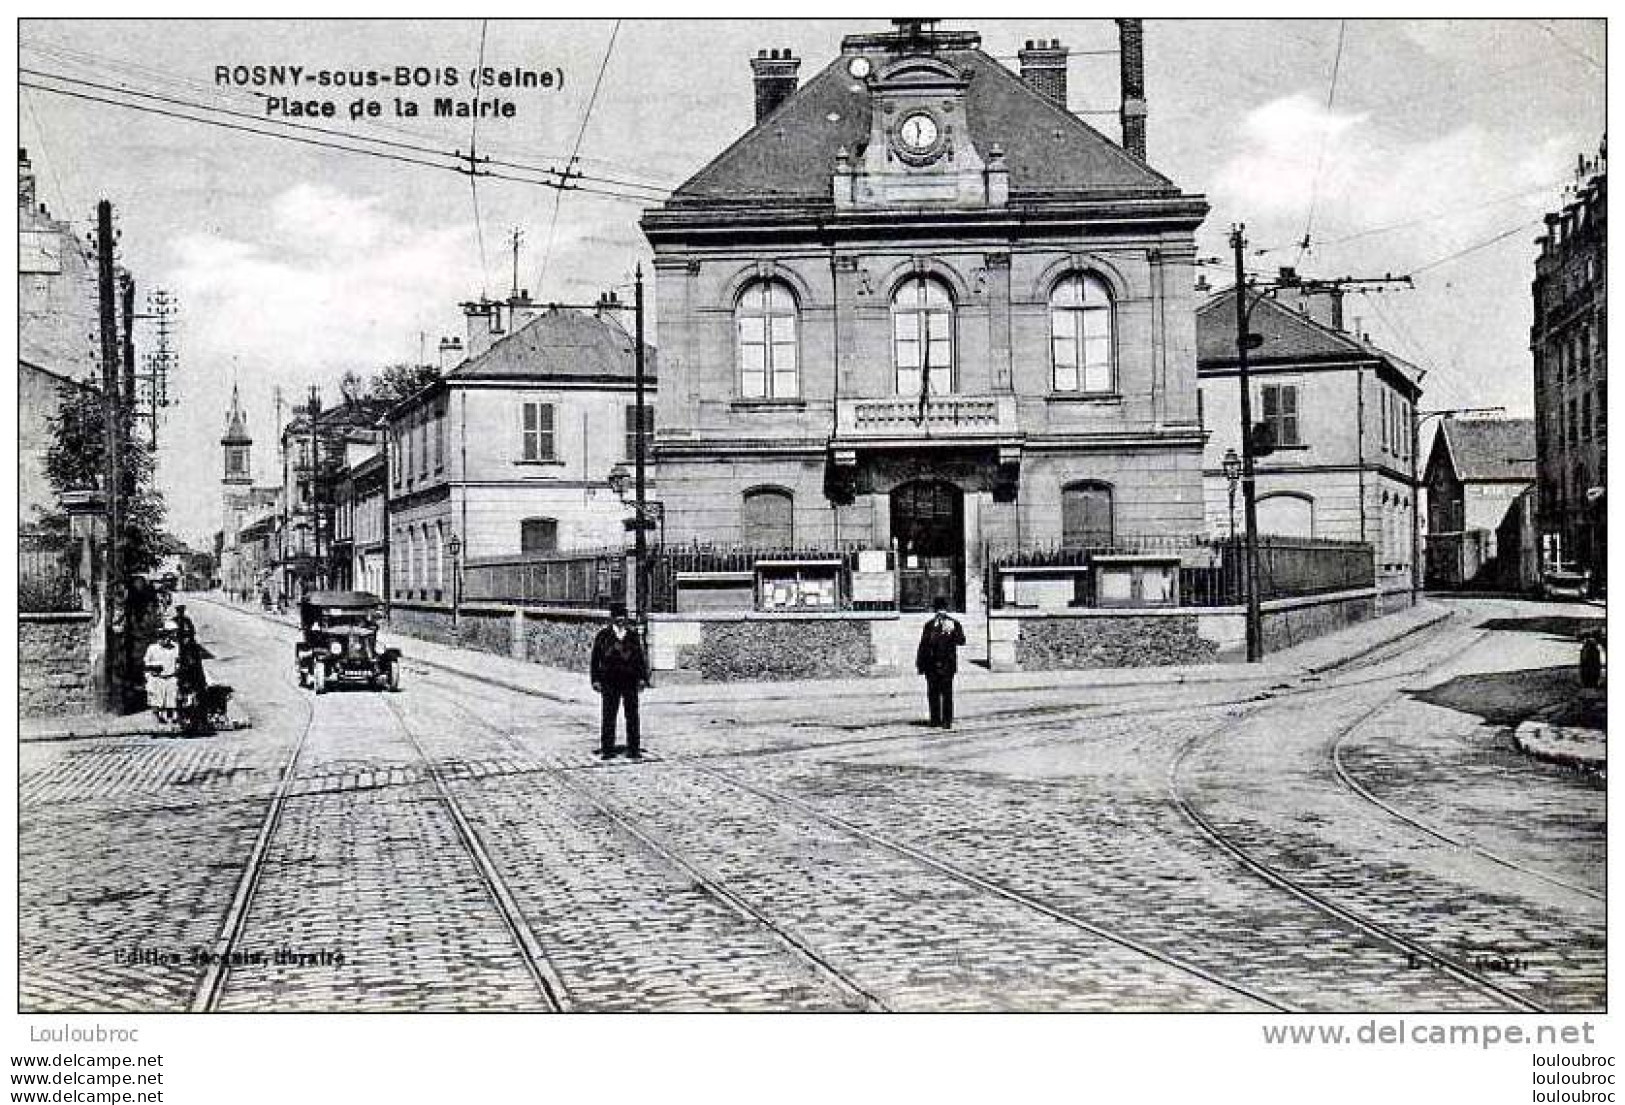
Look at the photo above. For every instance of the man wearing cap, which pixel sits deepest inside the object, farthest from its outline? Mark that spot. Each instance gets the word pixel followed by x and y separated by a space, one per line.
pixel 938 660
pixel 619 670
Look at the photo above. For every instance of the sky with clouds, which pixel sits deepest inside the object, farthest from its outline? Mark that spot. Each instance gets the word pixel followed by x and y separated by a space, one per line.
pixel 1391 145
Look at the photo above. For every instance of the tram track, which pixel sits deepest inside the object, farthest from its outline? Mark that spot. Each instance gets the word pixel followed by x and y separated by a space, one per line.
pixel 212 988
pixel 916 856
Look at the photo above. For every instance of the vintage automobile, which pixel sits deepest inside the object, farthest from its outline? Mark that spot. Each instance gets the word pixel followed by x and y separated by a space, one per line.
pixel 339 642
pixel 1560 581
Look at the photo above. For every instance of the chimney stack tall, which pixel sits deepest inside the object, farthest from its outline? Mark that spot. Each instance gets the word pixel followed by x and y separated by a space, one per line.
pixel 774 72
pixel 1043 68
pixel 1131 58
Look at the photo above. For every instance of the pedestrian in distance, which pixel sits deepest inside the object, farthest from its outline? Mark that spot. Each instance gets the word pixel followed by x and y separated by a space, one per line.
pixel 938 660
pixel 620 669
pixel 161 664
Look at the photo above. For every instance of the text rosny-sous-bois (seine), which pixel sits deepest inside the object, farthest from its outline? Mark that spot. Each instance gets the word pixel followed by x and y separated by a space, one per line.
pixel 298 79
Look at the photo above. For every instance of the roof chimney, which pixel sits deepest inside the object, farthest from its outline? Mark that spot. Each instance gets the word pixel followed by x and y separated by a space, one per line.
pixel 484 325
pixel 1043 67
pixel 775 75
pixel 25 181
pixel 1131 59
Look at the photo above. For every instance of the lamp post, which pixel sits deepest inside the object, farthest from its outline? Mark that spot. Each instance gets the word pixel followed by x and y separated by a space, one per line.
pixel 1232 475
pixel 645 513
pixel 454 547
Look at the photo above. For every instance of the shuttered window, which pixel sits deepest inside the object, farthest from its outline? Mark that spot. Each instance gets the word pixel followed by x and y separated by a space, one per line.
pixel 1086 516
pixel 766 520
pixel 1280 404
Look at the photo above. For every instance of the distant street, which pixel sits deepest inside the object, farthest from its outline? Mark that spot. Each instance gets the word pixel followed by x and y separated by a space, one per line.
pixel 1366 840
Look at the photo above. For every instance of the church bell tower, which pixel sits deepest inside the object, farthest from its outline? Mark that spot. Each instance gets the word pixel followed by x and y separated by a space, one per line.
pixel 237 474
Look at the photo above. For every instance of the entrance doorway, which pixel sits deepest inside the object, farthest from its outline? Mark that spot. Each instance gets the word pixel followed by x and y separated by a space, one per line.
pixel 928 524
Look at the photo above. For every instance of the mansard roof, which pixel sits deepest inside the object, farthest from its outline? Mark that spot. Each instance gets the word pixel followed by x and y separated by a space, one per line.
pixel 560 344
pixel 1290 337
pixel 789 156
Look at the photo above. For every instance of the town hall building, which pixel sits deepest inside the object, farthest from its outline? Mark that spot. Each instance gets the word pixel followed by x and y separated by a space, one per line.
pixel 922 307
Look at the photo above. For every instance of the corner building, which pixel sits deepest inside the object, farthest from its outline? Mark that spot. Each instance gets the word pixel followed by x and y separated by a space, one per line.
pixel 921 306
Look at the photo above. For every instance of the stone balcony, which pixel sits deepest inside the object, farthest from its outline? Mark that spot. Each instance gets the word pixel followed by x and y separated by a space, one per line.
pixel 945 420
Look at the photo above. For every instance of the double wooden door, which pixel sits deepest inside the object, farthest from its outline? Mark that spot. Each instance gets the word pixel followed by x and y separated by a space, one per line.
pixel 928 525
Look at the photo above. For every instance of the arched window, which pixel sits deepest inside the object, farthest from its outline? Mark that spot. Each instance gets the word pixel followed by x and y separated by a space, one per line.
pixel 766 518
pixel 923 336
pixel 539 535
pixel 1080 312
pixel 1086 515
pixel 1288 514
pixel 768 362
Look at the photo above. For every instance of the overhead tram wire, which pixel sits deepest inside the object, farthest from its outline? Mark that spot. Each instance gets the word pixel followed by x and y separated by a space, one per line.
pixel 473 162
pixel 450 163
pixel 104 62
pixel 1320 158
pixel 569 166
pixel 1475 247
pixel 349 136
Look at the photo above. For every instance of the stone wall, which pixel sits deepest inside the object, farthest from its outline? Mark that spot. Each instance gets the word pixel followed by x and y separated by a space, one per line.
pixel 1118 641
pixel 561 641
pixel 1294 625
pixel 54 664
pixel 812 648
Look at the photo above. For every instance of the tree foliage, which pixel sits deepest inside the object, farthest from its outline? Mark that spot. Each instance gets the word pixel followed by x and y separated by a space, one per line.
pixel 76 461
pixel 395 382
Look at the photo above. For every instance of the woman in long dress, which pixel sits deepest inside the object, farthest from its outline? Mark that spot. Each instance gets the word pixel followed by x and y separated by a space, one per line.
pixel 162 662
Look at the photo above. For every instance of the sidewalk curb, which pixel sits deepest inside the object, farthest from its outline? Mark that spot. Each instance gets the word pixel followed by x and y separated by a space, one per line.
pixel 1544 742
pixel 1098 677
pixel 1433 619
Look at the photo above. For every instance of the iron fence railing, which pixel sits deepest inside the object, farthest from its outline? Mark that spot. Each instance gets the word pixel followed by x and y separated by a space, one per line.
pixel 1211 570
pixel 589 579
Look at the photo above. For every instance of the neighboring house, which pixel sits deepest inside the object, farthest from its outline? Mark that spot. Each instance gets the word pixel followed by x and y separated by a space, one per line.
pixel 1569 341
pixel 921 305
pixel 317 445
pixel 1478 469
pixel 359 547
pixel 1340 412
pixel 511 451
pixel 57 327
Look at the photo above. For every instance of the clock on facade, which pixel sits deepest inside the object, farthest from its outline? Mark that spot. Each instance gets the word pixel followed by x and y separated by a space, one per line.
pixel 917 133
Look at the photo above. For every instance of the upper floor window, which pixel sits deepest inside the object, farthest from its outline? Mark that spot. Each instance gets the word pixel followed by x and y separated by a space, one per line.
pixel 536 431
pixel 923 336
pixel 768 355
pixel 1280 409
pixel 766 518
pixel 1080 311
pixel 632 431
pixel 539 535
pixel 439 438
pixel 1086 515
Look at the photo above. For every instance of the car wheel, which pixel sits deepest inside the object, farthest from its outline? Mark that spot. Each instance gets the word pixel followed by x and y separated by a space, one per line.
pixel 319 677
pixel 392 677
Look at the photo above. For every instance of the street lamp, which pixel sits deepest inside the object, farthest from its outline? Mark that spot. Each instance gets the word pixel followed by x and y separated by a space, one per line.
pixel 1232 474
pixel 454 548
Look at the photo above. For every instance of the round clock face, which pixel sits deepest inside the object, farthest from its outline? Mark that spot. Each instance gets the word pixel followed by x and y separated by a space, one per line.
pixel 918 132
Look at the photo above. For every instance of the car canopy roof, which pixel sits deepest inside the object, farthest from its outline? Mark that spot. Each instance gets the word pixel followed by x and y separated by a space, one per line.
pixel 342 600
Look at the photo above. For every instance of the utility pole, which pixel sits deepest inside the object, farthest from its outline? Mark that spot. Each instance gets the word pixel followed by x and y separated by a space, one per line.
pixel 127 351
pixel 1246 341
pixel 641 449
pixel 514 237
pixel 113 430
pixel 1249 490
pixel 159 362
pixel 312 409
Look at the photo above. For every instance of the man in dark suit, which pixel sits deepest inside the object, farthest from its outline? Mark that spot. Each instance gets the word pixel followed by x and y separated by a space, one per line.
pixel 938 660
pixel 619 670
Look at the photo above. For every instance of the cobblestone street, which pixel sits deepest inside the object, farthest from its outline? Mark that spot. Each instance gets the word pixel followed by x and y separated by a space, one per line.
pixel 1366 839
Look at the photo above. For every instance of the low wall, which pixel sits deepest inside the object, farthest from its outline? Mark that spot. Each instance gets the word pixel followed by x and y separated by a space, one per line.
pixel 723 650
pixel 1022 640
pixel 558 638
pixel 55 664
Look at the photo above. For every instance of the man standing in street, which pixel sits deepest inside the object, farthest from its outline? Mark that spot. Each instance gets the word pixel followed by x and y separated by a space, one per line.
pixel 938 660
pixel 619 670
